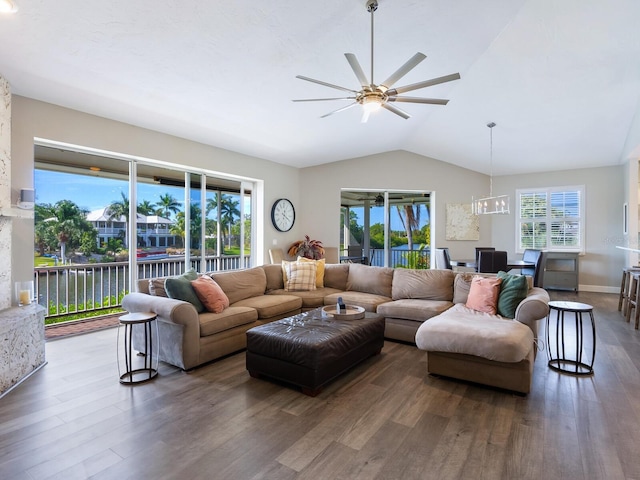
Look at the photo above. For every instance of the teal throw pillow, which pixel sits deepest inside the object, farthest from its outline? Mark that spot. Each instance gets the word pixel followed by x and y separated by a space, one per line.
pixel 513 290
pixel 180 288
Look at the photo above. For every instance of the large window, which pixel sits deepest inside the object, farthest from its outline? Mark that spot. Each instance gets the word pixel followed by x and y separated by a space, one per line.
pixel 550 218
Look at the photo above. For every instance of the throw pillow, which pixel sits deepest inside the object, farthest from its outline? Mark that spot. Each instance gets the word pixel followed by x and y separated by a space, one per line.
pixel 483 294
pixel 319 271
pixel 300 276
pixel 210 294
pixel 180 288
pixel 156 287
pixel 513 290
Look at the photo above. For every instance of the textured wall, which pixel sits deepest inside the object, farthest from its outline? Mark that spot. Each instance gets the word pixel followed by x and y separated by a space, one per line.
pixel 5 193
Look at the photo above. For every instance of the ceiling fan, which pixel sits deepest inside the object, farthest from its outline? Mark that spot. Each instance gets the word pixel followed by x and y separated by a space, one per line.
pixel 373 96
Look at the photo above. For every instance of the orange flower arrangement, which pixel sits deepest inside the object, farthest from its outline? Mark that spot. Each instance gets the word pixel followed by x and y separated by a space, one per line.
pixel 307 248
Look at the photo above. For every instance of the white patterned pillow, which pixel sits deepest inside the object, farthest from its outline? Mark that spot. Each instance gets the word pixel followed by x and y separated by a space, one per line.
pixel 301 276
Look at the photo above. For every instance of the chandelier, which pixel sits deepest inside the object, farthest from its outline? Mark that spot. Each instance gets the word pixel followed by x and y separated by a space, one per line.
pixel 490 205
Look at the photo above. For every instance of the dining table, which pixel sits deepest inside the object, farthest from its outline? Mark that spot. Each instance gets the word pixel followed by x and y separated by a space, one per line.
pixel 511 264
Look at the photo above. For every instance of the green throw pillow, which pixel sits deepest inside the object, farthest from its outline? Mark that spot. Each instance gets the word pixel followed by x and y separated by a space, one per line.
pixel 513 290
pixel 180 288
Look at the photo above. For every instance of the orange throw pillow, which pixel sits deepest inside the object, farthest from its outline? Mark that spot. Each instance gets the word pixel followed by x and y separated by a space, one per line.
pixel 210 294
pixel 483 294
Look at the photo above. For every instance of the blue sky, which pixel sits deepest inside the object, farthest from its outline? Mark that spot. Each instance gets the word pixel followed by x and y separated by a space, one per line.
pixel 93 193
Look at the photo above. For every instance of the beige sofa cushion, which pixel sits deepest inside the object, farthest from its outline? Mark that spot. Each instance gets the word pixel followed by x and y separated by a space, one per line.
pixel 466 331
pixel 425 284
pixel 212 323
pixel 336 275
pixel 273 273
pixel 270 306
pixel 366 279
pixel 368 301
pixel 241 284
pixel 310 299
pixel 413 309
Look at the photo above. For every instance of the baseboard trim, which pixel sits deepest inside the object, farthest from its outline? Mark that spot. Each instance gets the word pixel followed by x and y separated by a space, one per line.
pixel 598 289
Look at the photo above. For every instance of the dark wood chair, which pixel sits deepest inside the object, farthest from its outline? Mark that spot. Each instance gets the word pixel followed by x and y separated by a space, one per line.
pixel 478 250
pixel 492 261
pixel 533 256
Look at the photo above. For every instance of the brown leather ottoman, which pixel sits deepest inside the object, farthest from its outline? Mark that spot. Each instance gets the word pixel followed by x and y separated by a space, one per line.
pixel 311 349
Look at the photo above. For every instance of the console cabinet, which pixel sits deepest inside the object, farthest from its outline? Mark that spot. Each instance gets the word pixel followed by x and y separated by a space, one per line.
pixel 560 271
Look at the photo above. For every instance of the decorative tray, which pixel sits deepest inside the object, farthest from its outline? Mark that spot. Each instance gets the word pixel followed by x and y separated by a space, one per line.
pixel 353 312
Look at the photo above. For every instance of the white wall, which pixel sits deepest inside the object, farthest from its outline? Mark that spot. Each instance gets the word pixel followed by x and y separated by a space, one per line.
pixel 600 267
pixel 32 118
pixel 315 191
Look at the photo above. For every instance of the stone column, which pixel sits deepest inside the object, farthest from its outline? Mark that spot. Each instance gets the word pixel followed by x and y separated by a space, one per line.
pixel 6 291
pixel 22 337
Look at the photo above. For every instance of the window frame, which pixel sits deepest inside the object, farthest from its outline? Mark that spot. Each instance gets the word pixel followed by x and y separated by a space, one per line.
pixel 548 218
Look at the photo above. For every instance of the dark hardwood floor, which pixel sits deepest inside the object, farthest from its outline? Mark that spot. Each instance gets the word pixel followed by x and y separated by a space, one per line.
pixel 385 419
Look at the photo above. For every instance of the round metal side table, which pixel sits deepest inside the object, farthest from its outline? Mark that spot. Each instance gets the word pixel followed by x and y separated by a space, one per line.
pixel 567 357
pixel 145 367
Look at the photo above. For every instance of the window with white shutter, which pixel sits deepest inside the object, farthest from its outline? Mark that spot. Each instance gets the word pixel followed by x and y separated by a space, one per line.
pixel 550 219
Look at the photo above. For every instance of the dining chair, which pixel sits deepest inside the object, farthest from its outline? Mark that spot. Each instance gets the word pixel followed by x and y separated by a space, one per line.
pixel 331 255
pixel 276 255
pixel 492 261
pixel 478 250
pixel 443 259
pixel 533 256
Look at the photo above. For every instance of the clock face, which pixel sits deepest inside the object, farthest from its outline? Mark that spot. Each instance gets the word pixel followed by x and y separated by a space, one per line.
pixel 283 215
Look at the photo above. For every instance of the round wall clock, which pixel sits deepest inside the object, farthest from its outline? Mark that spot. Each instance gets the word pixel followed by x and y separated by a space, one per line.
pixel 283 215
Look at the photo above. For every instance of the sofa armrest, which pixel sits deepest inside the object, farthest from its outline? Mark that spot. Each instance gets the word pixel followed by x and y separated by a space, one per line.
pixel 534 307
pixel 178 323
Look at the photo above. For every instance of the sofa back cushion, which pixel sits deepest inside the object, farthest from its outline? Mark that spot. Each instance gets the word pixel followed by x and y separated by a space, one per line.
pixel 366 279
pixel 423 284
pixel 274 277
pixel 336 275
pixel 241 284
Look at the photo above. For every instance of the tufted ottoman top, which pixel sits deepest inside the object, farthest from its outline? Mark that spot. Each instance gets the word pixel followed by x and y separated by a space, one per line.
pixel 311 338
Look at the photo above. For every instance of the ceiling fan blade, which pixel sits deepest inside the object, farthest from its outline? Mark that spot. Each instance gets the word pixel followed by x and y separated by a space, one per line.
pixel 396 110
pixel 404 69
pixel 357 69
pixel 426 83
pixel 339 110
pixel 322 99
pixel 432 101
pixel 330 85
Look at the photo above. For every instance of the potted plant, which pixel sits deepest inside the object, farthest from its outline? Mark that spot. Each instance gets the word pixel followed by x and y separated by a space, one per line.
pixel 307 248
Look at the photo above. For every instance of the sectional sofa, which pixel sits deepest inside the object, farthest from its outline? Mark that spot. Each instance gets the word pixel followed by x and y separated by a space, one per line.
pixel 408 299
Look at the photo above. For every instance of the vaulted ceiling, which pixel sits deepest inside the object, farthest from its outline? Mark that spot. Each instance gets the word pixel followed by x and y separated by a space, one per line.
pixel 561 79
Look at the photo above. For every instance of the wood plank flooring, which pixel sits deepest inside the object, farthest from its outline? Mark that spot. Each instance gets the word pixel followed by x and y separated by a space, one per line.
pixel 385 419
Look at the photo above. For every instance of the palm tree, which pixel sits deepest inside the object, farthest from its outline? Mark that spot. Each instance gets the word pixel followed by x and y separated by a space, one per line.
pixel 119 209
pixel 146 208
pixel 178 228
pixel 167 205
pixel 410 220
pixel 68 223
pixel 229 210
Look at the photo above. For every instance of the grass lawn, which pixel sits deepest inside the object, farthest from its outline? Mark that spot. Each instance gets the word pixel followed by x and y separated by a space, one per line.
pixel 39 261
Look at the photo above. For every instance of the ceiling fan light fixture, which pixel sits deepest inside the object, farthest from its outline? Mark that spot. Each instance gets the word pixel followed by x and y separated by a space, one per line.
pixel 8 6
pixel 371 104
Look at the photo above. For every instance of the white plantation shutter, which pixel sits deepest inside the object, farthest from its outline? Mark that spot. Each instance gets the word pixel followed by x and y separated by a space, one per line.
pixel 550 218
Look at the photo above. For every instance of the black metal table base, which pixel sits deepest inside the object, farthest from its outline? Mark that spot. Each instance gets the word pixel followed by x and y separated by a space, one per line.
pixel 558 360
pixel 131 375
